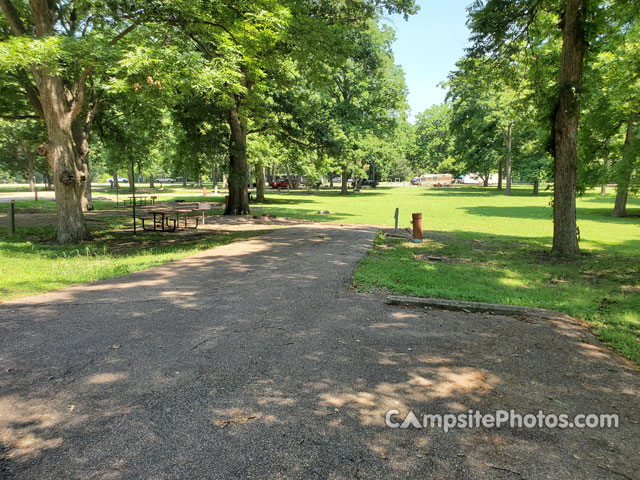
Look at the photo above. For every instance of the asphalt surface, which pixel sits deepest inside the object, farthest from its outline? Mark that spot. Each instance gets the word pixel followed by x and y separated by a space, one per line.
pixel 254 360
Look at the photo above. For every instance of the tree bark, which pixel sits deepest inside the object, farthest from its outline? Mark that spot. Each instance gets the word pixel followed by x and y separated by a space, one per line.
pixel 59 104
pixel 87 198
pixel 565 129
pixel 345 180
pixel 239 169
pixel 536 187
pixel 508 157
pixel 260 183
pixel 151 181
pixel 603 188
pixel 184 178
pixel 30 159
pixel 485 182
pixel 625 168
pixel 115 179
pixel 500 167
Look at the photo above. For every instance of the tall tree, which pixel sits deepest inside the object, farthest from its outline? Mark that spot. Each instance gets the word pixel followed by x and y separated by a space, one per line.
pixel 497 27
pixel 53 48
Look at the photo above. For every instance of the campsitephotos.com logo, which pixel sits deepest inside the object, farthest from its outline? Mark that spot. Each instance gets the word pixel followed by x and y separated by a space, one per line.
pixel 500 419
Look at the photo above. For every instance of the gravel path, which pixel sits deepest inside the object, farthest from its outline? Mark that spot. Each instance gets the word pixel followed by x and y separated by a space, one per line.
pixel 253 360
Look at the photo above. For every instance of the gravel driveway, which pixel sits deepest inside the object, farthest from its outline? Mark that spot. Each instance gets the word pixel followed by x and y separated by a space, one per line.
pixel 253 360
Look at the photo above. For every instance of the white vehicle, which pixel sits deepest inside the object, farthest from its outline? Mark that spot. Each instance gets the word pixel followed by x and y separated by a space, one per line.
pixel 165 180
pixel 120 180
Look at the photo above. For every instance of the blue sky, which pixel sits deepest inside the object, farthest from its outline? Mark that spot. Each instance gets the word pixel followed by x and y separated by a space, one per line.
pixel 428 46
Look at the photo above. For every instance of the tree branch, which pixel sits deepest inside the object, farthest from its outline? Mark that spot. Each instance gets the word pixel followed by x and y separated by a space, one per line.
pixel 30 91
pixel 122 34
pixel 13 17
pixel 205 50
pixel 80 92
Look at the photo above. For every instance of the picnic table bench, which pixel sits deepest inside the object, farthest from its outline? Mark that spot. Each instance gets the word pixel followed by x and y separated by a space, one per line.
pixel 170 219
pixel 141 200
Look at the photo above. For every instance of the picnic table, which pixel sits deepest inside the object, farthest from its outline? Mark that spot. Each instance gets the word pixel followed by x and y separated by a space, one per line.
pixel 162 225
pixel 170 219
pixel 140 200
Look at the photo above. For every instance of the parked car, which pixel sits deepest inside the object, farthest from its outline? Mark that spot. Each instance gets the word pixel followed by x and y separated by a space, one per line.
pixel 369 182
pixel 120 180
pixel 282 182
pixel 165 180
pixel 415 181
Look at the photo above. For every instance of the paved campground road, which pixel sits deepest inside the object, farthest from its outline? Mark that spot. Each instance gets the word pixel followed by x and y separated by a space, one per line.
pixel 253 360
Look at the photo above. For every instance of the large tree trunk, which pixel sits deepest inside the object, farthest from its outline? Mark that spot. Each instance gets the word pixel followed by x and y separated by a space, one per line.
pixel 508 157
pixel 30 159
pixel 239 169
pixel 485 182
pixel 115 180
pixel 59 101
pixel 345 180
pixel 260 183
pixel 625 168
pixel 565 129
pixel 69 175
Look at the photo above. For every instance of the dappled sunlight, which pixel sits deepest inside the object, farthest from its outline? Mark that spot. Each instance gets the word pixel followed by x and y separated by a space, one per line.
pixel 106 378
pixel 24 426
pixel 422 386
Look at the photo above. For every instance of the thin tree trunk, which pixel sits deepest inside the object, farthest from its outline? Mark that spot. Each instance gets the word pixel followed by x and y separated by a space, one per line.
pixel 625 168
pixel 565 129
pixel 345 180
pixel 508 158
pixel 152 181
pixel 260 183
pixel 130 175
pixel 87 198
pixel 30 159
pixel 485 182
pixel 184 178
pixel 500 167
pixel 536 187
pixel 238 174
pixel 115 180
pixel 603 188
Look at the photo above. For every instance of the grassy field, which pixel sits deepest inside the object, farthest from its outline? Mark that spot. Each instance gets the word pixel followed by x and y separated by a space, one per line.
pixel 495 249
pixel 31 262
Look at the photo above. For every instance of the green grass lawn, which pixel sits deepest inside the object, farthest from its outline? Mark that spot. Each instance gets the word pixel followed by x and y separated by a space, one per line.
pixel 31 262
pixel 496 249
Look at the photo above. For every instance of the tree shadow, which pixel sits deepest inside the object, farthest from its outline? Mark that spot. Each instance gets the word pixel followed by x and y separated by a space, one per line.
pixel 252 360
pixel 546 212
